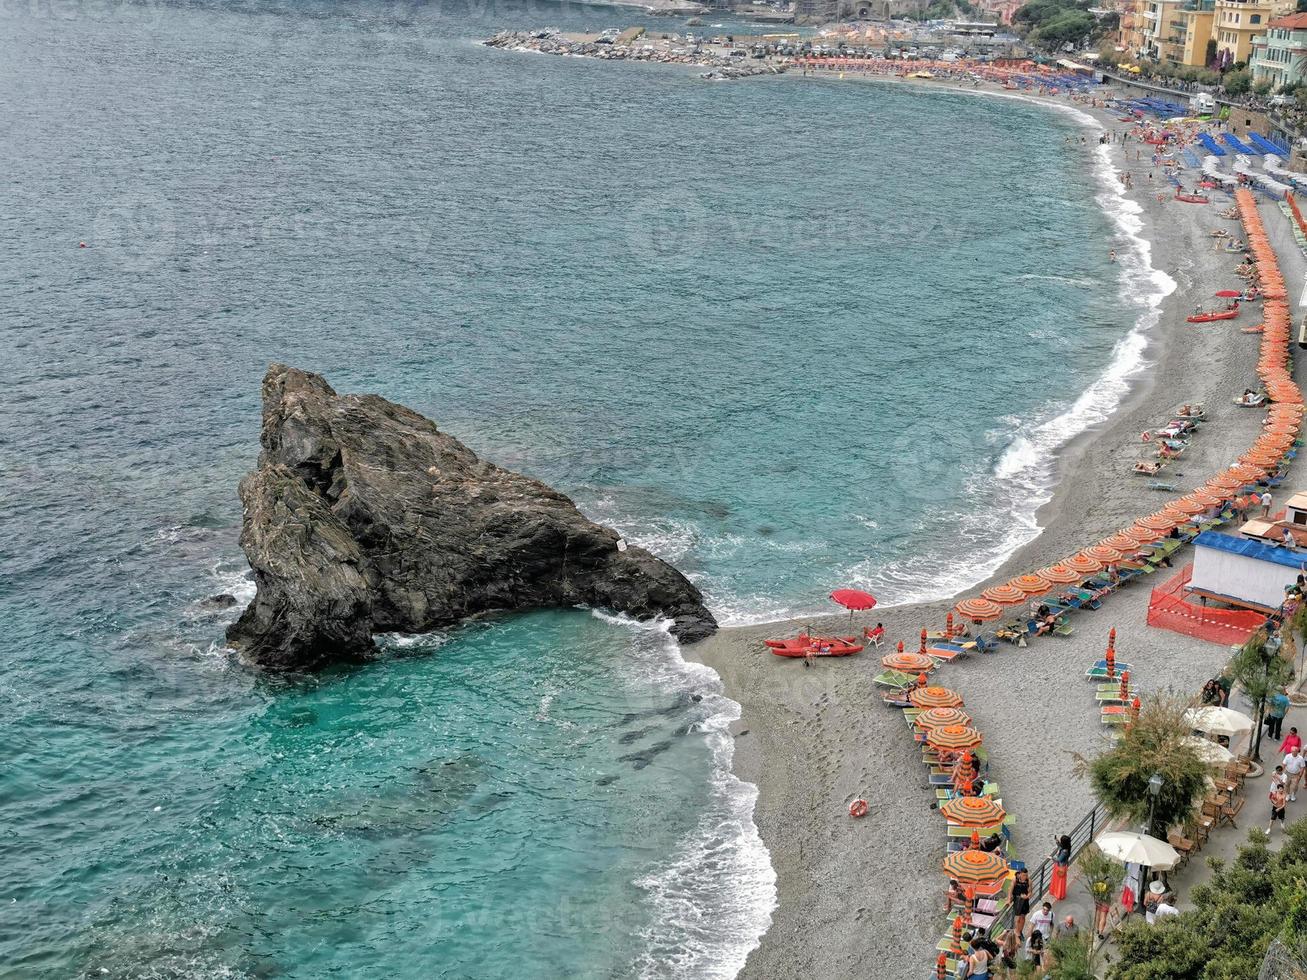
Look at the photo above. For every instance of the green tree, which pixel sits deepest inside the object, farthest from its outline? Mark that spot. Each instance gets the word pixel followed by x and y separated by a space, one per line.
pixel 1153 744
pixel 1237 82
pixel 1246 904
pixel 1262 88
pixel 1260 671
pixel 1073 957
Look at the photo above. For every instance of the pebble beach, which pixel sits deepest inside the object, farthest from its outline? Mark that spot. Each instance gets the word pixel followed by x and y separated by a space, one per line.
pixel 854 892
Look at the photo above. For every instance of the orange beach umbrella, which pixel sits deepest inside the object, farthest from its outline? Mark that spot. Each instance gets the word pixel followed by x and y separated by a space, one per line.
pixel 1122 542
pixel 1032 584
pixel 910 663
pixel 1083 563
pixel 975 867
pixel 1061 574
pixel 953 738
pixel 934 697
pixel 973 811
pixel 978 609
pixel 939 717
pixel 1004 595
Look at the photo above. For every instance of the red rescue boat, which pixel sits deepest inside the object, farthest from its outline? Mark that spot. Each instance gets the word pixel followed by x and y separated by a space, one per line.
pixel 1193 198
pixel 818 646
pixel 1209 317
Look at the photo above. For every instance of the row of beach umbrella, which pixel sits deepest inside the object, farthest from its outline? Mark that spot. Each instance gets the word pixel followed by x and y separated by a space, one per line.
pixel 1284 420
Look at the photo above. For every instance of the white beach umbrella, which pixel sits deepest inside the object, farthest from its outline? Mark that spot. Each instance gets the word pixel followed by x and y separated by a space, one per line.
pixel 1210 752
pixel 1127 846
pixel 1218 721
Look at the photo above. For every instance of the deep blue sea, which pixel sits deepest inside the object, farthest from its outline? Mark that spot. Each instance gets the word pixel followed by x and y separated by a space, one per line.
pixel 789 334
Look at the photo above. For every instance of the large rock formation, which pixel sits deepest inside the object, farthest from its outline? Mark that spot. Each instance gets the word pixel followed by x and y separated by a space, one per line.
pixel 363 517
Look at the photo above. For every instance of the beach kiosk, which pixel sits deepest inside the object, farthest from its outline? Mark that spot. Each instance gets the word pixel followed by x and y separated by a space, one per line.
pixel 1242 571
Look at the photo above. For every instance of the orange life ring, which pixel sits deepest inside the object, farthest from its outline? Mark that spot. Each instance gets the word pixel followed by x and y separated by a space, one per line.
pixel 1146 437
pixel 858 808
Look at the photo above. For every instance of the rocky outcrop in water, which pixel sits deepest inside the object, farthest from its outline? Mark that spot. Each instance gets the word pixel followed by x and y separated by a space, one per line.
pixel 362 517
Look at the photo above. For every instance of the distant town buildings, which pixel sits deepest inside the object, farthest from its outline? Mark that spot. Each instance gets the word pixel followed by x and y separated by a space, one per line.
pixel 825 11
pixel 1280 55
pixel 1199 33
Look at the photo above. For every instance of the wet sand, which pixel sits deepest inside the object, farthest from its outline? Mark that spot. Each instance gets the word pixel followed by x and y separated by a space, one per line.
pixel 866 895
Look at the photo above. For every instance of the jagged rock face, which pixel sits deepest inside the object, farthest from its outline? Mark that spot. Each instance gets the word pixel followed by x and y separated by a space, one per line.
pixel 363 517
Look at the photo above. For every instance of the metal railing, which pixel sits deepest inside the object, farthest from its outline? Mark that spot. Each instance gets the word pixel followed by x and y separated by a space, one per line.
pixel 1041 878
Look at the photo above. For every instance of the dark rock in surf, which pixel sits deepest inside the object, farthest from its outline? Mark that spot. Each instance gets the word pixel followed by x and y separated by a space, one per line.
pixel 362 517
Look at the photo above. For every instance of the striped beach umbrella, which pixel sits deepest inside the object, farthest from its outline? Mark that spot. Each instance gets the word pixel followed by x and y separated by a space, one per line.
pixel 939 717
pixel 1142 534
pixel 1062 574
pixel 1187 505
pixel 978 609
pixel 909 663
pixel 1161 521
pixel 934 697
pixel 1103 552
pixel 1205 497
pixel 1123 543
pixel 1005 595
pixel 953 738
pixel 1031 584
pixel 1226 482
pixel 973 811
pixel 1084 563
pixel 975 867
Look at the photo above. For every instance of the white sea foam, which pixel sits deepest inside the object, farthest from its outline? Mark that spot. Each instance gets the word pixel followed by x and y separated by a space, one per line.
pixel 1023 478
pixel 712 901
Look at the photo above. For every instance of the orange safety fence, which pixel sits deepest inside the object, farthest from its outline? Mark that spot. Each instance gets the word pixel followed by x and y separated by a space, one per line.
pixel 1297 214
pixel 1170 608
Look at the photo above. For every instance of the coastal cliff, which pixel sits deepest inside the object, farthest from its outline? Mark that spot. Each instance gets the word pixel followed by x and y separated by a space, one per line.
pixel 363 517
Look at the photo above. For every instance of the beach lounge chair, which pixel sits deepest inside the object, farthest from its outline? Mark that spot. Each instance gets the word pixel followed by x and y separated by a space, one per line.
pixel 876 636
pixel 1063 629
pixel 895 679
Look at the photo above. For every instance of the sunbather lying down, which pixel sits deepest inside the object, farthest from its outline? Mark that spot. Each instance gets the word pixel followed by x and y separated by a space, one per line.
pixel 1147 468
pixel 1250 399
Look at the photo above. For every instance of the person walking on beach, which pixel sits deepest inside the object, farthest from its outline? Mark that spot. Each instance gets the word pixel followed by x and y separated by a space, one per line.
pixel 1294 764
pixel 1278 800
pixel 1266 500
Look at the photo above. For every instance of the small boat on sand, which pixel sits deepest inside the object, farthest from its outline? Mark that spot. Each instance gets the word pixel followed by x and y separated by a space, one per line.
pixel 1193 198
pixel 1209 317
pixel 817 646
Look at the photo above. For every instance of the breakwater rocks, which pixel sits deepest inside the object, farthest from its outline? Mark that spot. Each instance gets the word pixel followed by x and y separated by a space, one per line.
pixel 723 61
pixel 362 517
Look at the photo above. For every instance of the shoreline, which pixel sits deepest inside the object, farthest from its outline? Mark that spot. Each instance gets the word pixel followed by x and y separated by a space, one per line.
pixel 811 741
pixel 775 708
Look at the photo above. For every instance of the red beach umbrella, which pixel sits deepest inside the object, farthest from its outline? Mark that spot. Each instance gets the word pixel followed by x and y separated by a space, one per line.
pixel 854 600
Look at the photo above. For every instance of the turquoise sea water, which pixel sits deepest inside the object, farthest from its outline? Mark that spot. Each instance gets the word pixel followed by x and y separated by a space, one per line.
pixel 789 334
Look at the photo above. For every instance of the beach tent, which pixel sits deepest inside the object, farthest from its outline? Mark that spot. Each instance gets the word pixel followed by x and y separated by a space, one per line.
pixel 1243 572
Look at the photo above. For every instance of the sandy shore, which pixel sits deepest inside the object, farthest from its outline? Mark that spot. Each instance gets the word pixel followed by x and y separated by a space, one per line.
pixel 857 893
